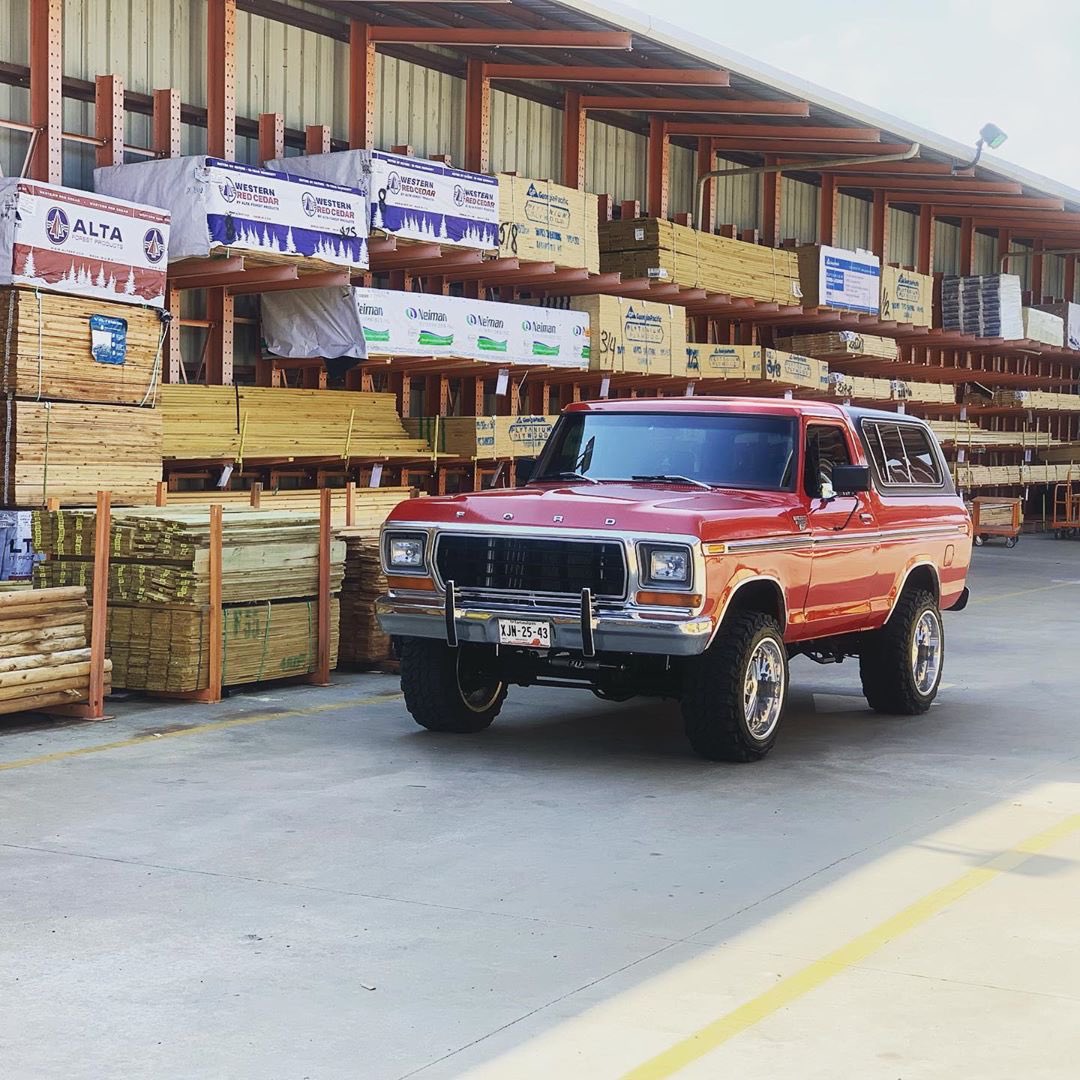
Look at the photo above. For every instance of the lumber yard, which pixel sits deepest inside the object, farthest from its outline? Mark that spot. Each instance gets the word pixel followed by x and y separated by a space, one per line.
pixel 275 276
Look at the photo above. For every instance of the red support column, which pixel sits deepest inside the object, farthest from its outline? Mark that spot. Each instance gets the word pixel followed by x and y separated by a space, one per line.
pixel 967 245
pixel 1037 261
pixel 477 116
pixel 925 258
pixel 46 101
pixel 827 210
pixel 1004 243
pixel 317 139
pixel 109 119
pixel 706 159
pixel 1070 278
pixel 573 140
pixel 221 78
pixel 361 86
pixel 166 140
pixel 879 227
pixel 658 168
pixel 271 137
pixel 771 191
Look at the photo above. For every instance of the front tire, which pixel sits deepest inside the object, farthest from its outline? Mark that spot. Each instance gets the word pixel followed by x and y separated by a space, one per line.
pixel 901 663
pixel 734 693
pixel 444 688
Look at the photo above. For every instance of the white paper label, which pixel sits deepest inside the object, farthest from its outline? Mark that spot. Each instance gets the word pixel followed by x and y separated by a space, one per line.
pixel 502 383
pixel 605 386
pixel 376 475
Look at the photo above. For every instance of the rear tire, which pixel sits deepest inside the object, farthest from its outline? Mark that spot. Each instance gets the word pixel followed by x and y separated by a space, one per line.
pixel 734 693
pixel 901 664
pixel 443 689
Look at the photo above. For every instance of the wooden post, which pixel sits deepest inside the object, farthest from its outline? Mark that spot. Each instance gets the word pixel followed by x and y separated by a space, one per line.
pixel 109 119
pixel 46 94
pixel 350 503
pixel 828 210
pixel 217 621
pixel 772 187
pixel 99 623
pixel 321 675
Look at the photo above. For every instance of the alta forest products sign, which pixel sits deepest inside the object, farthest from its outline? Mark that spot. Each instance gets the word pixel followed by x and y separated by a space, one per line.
pixel 87 245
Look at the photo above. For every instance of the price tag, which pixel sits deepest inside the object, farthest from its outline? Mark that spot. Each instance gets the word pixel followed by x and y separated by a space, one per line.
pixel 901 408
pixel 605 386
pixel 376 475
pixel 225 477
pixel 961 455
pixel 963 412
pixel 690 388
pixel 503 383
pixel 789 395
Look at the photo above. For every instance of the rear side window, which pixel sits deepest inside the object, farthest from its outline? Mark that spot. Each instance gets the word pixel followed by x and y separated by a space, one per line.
pixel 903 455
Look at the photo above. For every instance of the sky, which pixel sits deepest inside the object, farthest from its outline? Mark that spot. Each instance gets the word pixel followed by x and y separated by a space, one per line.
pixel 946 65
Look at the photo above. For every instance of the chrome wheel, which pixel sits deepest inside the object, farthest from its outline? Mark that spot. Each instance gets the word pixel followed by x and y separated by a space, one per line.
pixel 477 693
pixel 763 688
pixel 926 651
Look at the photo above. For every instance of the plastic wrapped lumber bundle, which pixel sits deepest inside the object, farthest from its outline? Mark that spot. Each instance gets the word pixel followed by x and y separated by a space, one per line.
pixel 649 247
pixel 44 649
pixel 362 640
pixel 1044 326
pixel 546 222
pixel 70 451
pixel 986 306
pixel 72 348
pixel 841 344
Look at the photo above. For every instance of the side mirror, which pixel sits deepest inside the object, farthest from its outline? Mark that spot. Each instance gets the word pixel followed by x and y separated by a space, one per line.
pixel 851 479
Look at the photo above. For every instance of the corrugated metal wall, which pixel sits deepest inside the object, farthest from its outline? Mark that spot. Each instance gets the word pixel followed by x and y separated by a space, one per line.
pixel 946 248
pixel 14 101
pixel 681 181
pixel 738 198
pixel 903 237
pixel 526 137
pixel 799 207
pixel 852 222
pixel 614 162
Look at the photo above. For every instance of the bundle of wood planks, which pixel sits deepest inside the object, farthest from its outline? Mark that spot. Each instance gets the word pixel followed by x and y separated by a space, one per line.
pixel 44 649
pixel 75 348
pixel 485 438
pixel 247 423
pixel 70 451
pixel 159 590
pixel 362 640
pixel 841 344
pixel 370 506
pixel 868 388
pixel 663 251
pixel 546 222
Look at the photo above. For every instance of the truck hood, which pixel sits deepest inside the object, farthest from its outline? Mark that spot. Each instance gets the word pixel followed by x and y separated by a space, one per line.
pixel 723 514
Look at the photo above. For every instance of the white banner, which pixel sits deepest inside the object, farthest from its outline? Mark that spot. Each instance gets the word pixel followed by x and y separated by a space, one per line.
pixel 73 242
pixel 849 280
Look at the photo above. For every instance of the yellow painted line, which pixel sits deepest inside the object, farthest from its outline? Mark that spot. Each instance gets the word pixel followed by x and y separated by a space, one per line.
pixel 197 729
pixel 1019 592
pixel 812 976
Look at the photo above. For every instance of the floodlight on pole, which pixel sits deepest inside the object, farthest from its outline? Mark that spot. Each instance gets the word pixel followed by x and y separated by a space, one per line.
pixel 989 135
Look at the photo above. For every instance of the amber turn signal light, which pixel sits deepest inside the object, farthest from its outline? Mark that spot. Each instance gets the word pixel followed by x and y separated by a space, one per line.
pixel 416 584
pixel 669 599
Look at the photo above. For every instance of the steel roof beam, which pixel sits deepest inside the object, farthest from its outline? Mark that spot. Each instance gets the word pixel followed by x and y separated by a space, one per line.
pixel 562 73
pixel 773 131
pixel 961 204
pixel 725 106
pixel 485 36
pixel 900 184
pixel 794 146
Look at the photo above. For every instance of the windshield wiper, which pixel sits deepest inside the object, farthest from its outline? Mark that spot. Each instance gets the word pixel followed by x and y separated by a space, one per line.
pixel 672 479
pixel 564 476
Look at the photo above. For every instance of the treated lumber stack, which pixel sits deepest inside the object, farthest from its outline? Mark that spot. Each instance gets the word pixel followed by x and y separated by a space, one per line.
pixel 487 438
pixel 266 423
pixel 965 433
pixel 370 505
pixel 44 653
pixel 633 335
pixel 76 348
pixel 841 345
pixel 159 590
pixel 362 640
pixel 649 247
pixel 70 451
pixel 546 222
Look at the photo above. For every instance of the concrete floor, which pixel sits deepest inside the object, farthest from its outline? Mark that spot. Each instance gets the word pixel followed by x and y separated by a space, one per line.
pixel 309 887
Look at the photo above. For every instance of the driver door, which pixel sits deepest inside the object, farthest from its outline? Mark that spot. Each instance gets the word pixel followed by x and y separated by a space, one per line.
pixel 844 533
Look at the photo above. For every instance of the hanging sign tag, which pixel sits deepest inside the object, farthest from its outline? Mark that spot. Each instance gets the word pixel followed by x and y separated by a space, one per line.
pixel 376 475
pixel 605 386
pixel 108 339
pixel 503 383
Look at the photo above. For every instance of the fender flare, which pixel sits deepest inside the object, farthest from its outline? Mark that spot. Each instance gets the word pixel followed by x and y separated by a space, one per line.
pixel 750 580
pixel 917 562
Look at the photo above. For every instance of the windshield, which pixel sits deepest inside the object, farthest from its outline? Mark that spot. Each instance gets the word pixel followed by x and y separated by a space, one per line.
pixel 717 449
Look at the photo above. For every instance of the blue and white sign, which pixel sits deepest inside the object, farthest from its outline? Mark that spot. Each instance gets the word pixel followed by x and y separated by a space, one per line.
pixel 849 280
pixel 108 339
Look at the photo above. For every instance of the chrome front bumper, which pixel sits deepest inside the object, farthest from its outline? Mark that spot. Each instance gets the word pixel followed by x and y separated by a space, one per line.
pixel 623 631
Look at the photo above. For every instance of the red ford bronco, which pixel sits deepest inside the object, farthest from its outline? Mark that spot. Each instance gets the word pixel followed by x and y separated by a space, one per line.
pixel 686 548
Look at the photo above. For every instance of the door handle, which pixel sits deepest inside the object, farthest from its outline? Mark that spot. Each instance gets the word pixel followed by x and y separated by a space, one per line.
pixel 866 519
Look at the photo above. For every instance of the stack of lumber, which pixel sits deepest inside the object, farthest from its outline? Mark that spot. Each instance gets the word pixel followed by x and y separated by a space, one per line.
pixel 371 506
pixel 1037 399
pixel 867 388
pixel 47 343
pixel 993 512
pixel 44 653
pixel 753 369
pixel 546 222
pixel 159 590
pixel 488 438
pixel 163 648
pixel 1063 453
pixel 986 306
pixel 362 640
pixel 648 247
pixel 966 433
pixel 1049 474
pixel 970 476
pixel 907 297
pixel 246 423
pixel 633 335
pixel 840 345
pixel 70 451
pixel 1044 326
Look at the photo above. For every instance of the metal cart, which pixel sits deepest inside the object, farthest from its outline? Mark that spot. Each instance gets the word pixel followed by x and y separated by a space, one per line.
pixel 994 516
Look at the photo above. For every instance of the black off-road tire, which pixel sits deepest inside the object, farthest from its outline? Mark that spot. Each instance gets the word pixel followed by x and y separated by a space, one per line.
pixel 433 690
pixel 713 709
pixel 888 681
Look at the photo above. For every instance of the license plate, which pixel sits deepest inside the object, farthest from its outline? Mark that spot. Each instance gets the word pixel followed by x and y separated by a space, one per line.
pixel 532 635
